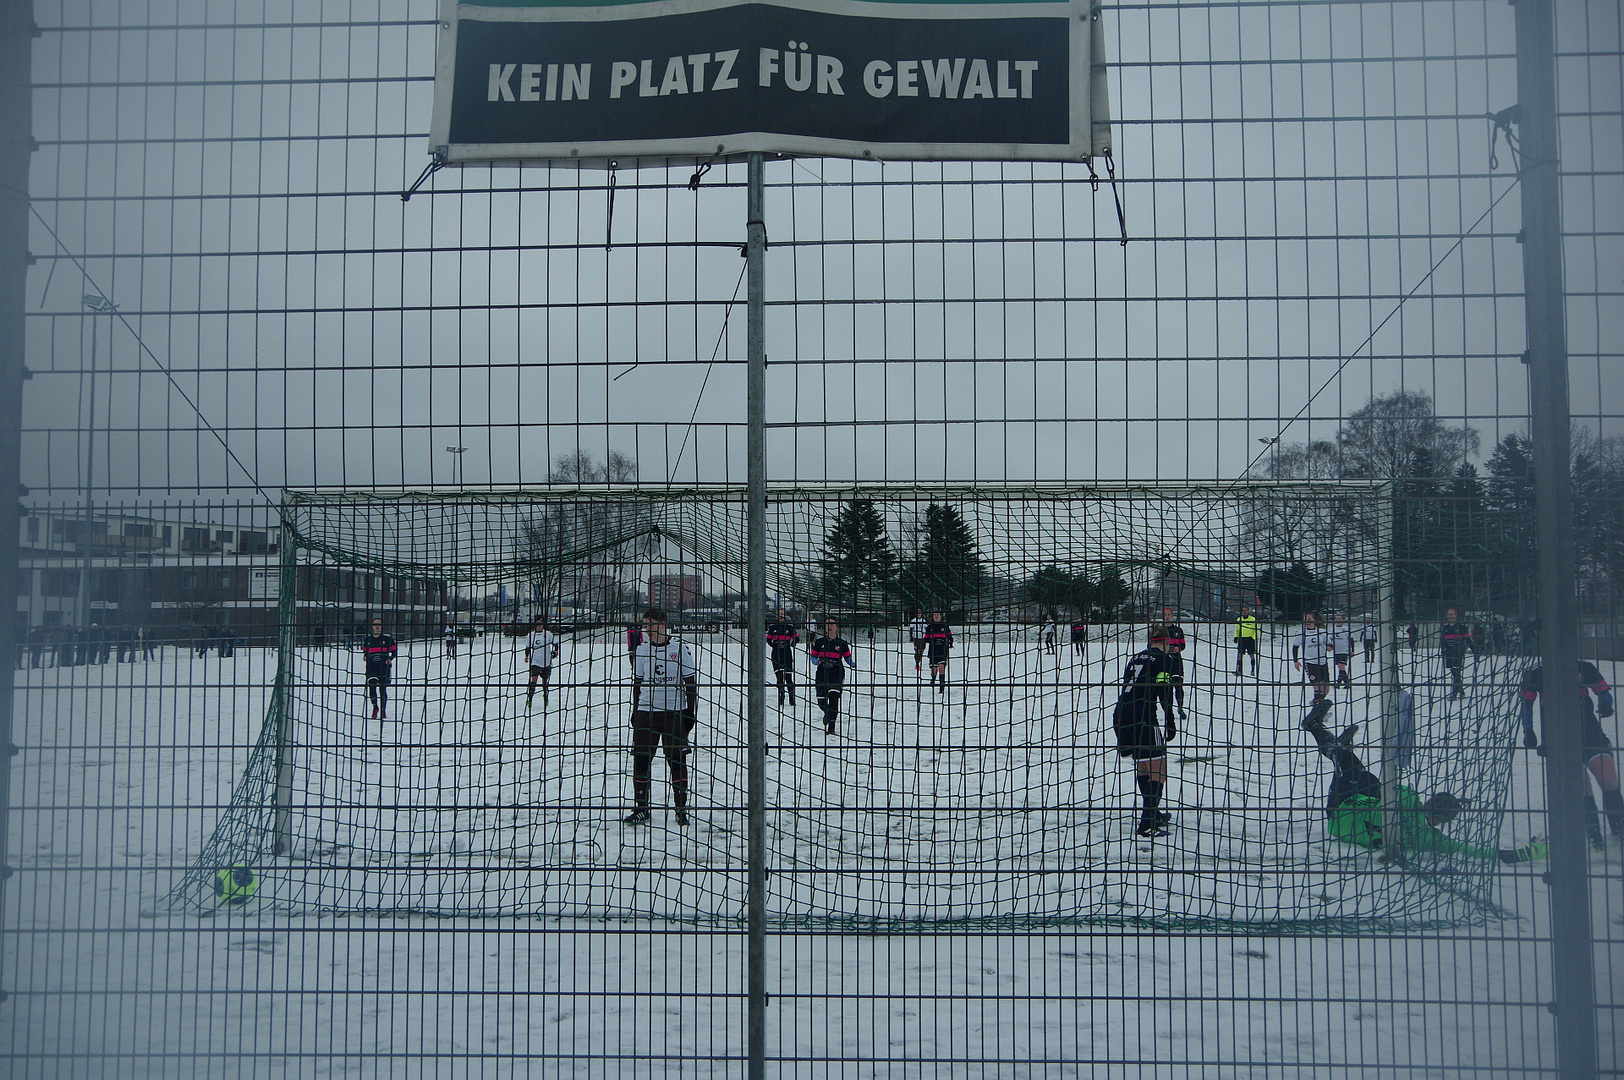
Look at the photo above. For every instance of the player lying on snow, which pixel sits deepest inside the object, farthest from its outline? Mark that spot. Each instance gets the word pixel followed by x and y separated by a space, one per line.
pixel 1353 808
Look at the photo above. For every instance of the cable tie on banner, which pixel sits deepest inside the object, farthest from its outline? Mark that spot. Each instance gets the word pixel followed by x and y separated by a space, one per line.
pixel 422 178
pixel 1116 196
pixel 609 226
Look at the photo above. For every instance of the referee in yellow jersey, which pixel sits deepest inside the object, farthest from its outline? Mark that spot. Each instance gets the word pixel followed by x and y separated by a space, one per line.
pixel 1245 639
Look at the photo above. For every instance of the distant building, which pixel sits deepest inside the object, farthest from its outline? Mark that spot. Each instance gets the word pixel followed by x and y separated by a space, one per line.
pixel 674 592
pixel 178 577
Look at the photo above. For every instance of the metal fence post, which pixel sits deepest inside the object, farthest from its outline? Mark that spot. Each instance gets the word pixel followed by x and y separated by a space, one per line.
pixel 287 640
pixel 755 667
pixel 1545 295
pixel 16 140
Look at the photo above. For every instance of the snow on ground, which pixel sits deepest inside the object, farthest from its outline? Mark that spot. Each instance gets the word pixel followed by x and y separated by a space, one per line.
pixel 126 768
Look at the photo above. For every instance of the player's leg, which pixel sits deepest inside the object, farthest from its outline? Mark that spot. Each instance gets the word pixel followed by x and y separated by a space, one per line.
pixel 1603 768
pixel 829 702
pixel 1151 778
pixel 383 697
pixel 675 736
pixel 372 694
pixel 645 738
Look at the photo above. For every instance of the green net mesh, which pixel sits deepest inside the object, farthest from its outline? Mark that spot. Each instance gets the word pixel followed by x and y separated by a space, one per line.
pixel 997 798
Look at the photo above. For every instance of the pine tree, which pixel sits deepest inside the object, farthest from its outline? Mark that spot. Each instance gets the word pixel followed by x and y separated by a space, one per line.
pixel 946 573
pixel 859 567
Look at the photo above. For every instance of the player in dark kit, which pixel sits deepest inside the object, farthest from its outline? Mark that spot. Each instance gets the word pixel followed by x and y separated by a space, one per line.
pixel 1454 639
pixel 1147 682
pixel 939 642
pixel 782 637
pixel 1597 748
pixel 1079 637
pixel 832 655
pixel 379 651
pixel 1353 806
pixel 1176 645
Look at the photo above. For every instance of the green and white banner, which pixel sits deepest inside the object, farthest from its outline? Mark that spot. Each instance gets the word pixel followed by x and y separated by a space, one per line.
pixel 528 80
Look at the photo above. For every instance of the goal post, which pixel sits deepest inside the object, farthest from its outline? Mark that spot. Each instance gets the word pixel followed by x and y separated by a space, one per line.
pixel 992 796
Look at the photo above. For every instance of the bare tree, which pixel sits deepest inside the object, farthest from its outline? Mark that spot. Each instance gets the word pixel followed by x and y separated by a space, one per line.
pixel 583 549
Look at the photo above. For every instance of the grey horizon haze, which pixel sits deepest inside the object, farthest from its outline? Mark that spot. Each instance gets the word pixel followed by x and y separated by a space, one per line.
pixel 236 193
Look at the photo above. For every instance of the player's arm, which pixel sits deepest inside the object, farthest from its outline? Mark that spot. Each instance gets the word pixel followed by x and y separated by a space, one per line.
pixel 1164 694
pixel 690 684
pixel 1597 685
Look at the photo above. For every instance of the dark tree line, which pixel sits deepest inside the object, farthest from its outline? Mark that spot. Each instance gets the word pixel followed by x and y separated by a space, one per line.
pixel 1460 538
pixel 861 570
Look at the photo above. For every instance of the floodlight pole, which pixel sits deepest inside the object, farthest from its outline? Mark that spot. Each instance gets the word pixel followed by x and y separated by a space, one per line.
pixel 755 648
pixel 1544 298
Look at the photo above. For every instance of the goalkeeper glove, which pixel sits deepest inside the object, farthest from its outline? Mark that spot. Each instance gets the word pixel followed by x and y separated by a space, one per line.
pixel 1533 851
pixel 1604 704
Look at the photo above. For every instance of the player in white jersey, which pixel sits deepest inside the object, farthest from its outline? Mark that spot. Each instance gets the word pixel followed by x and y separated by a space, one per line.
pixel 540 650
pixel 916 635
pixel 1312 653
pixel 665 700
pixel 1342 648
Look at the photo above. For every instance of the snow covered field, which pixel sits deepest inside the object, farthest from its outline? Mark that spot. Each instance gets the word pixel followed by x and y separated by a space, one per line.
pixel 994 803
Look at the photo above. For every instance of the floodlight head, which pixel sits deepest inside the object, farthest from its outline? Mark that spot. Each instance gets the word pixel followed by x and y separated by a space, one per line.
pixel 97 303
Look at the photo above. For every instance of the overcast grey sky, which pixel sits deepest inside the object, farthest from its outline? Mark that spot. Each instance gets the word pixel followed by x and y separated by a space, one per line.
pixel 1290 173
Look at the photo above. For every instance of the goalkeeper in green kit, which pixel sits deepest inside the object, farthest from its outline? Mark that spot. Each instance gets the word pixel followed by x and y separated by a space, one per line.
pixel 1353 808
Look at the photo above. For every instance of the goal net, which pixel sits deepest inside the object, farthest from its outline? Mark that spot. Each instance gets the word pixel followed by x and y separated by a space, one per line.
pixel 995 796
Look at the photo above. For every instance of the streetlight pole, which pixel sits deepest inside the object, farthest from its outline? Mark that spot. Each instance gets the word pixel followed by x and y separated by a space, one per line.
pixel 456 453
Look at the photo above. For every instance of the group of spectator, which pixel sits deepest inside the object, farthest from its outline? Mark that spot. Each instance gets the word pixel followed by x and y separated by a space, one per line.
pixel 75 646
pixel 72 646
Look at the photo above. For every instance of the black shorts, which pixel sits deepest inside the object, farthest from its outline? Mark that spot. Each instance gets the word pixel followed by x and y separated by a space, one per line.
pixel 650 729
pixel 1138 735
pixel 544 672
pixel 378 673
pixel 938 654
pixel 919 646
pixel 1246 645
pixel 1343 657
pixel 1317 673
pixel 829 688
pixel 783 659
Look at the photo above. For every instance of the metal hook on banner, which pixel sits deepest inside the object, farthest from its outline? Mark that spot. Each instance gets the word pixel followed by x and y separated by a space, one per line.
pixel 1502 122
pixel 609 227
pixel 1093 177
pixel 1122 218
pixel 428 170
pixel 705 167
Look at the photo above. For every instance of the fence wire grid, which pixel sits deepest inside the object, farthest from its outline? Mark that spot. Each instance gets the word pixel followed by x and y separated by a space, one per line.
pixel 1019 416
